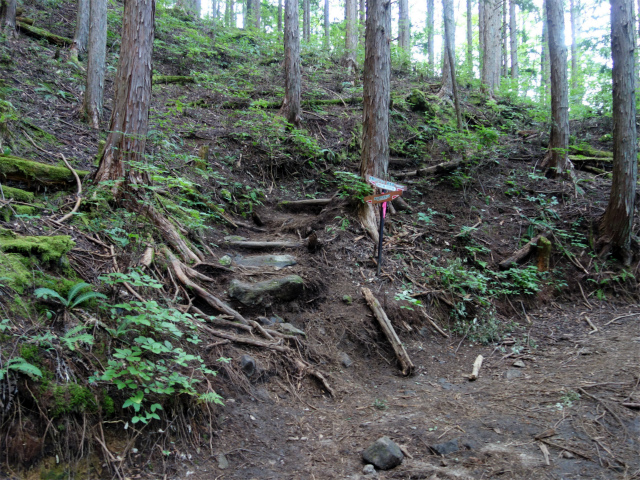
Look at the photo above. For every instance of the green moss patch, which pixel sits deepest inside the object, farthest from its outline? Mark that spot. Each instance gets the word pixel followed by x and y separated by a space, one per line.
pixel 48 248
pixel 21 170
pixel 17 194
pixel 13 272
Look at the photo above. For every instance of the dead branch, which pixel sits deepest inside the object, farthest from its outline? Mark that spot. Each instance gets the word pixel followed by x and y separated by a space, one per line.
pixel 520 255
pixel 439 169
pixel 78 194
pixel 387 328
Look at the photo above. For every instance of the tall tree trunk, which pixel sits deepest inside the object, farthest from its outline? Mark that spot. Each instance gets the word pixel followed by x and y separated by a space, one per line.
pixel 248 14
pixel 491 47
pixel 292 77
pixel 8 17
pixel 469 59
pixel 306 21
pixel 449 42
pixel 617 221
pixel 505 51
pixel 544 57
pixel 574 7
pixel 513 39
pixel 130 121
pixel 81 34
pixel 257 4
pixel 446 91
pixel 404 29
pixel 376 95
pixel 481 35
pixel 351 36
pixel 361 26
pixel 327 26
pixel 279 15
pixel 94 90
pixel 559 163
pixel 214 8
pixel 430 35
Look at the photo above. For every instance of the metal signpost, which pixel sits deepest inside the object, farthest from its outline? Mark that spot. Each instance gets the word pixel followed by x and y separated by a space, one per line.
pixel 394 190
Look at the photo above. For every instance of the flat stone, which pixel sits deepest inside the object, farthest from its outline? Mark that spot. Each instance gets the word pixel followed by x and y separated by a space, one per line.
pixel 512 373
pixel 519 364
pixel 446 448
pixel 234 238
pixel 254 294
pixel 345 360
pixel 276 261
pixel 369 469
pixel 290 329
pixel 223 463
pixel 383 454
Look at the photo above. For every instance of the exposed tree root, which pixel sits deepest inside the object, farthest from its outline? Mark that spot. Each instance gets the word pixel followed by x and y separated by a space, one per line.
pixel 367 216
pixel 171 234
pixel 78 194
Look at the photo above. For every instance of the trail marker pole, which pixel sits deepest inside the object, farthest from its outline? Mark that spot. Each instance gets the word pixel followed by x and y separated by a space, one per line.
pixel 383 210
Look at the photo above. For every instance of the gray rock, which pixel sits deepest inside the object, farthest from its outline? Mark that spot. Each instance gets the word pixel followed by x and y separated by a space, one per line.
pixel 225 261
pixel 446 448
pixel 223 463
pixel 345 360
pixel 519 364
pixel 512 373
pixel 289 329
pixel 369 469
pixel 277 261
pixel 254 294
pixel 384 454
pixel 234 238
pixel 444 384
pixel 248 365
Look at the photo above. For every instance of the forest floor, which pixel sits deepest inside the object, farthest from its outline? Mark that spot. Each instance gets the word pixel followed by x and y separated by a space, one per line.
pixel 561 350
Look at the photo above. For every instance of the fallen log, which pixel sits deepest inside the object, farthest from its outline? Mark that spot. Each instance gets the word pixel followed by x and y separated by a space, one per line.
pixel 302 204
pixel 41 33
pixel 241 103
pixel 476 368
pixel 264 245
pixel 583 159
pixel 520 255
pixel 167 79
pixel 27 20
pixel 589 151
pixel 22 170
pixel 441 168
pixel 406 365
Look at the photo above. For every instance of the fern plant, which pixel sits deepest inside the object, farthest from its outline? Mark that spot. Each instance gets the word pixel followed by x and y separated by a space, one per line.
pixel 19 364
pixel 74 297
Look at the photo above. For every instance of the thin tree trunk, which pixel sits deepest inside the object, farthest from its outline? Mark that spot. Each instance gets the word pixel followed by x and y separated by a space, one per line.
pixel 376 95
pixel 491 47
pixel 361 26
pixel 81 34
pixel 505 51
pixel 559 163
pixel 544 57
pixel 574 6
pixel 449 30
pixel 8 17
pixel 617 222
pixel 404 33
pixel 257 4
pixel 469 59
pixel 279 15
pixel 306 21
pixel 247 13
pixel 351 36
pixel 94 90
pixel 292 77
pixel 446 91
pixel 327 27
pixel 214 9
pixel 481 35
pixel 430 35
pixel 513 39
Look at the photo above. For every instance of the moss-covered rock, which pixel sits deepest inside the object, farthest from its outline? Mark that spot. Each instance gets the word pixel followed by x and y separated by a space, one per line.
pixel 421 102
pixel 18 195
pixel 48 248
pixel 254 294
pixel 13 271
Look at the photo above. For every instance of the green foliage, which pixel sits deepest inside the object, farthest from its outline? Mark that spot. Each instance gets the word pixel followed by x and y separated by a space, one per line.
pixel 405 296
pixel 351 185
pixel 18 364
pixel 74 298
pixel 71 398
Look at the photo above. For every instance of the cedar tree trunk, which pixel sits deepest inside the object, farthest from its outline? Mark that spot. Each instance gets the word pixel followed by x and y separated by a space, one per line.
pixel 351 36
pixel 292 77
pixel 327 27
pixel 491 44
pixel 430 35
pixel 404 28
pixel 8 17
pixel 376 95
pixel 446 91
pixel 513 39
pixel 559 163
pixel 81 34
pixel 469 38
pixel 574 6
pixel 94 90
pixel 617 221
pixel 306 21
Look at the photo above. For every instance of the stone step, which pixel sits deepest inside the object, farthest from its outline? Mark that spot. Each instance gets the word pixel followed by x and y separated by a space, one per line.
pixel 260 293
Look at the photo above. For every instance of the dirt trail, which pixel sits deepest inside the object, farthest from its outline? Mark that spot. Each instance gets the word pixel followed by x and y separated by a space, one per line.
pixel 556 395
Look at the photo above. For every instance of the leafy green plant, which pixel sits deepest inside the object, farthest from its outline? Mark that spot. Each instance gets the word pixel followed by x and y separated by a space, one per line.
pixel 351 185
pixel 19 364
pixel 405 296
pixel 74 298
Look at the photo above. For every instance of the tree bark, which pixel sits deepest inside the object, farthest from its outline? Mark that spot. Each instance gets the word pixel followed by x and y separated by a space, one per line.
pixel 81 35
pixel 574 7
pixel 404 29
pixel 491 44
pixel 248 17
pixel 505 50
pixel 481 35
pixel 469 59
pixel 93 94
pixel 559 163
pixel 513 39
pixel 446 91
pixel 291 104
pixel 617 222
pixel 430 35
pixel 8 17
pixel 376 96
pixel 257 13
pixel 306 21
pixel 449 29
pixel 327 26
pixel 544 57
pixel 351 36
pixel 279 15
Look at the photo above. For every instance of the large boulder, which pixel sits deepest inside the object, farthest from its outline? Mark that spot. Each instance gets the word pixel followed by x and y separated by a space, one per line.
pixel 254 294
pixel 383 454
